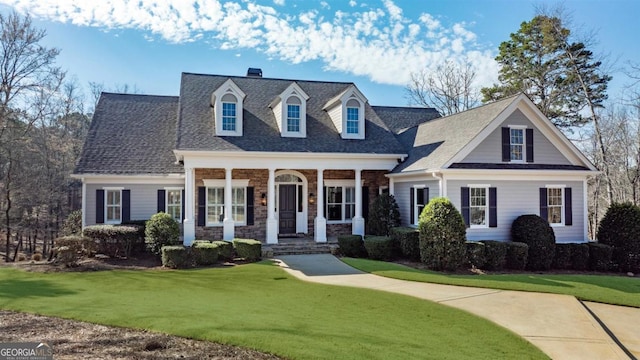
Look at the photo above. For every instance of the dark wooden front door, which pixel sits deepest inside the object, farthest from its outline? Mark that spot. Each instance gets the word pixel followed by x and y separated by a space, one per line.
pixel 287 209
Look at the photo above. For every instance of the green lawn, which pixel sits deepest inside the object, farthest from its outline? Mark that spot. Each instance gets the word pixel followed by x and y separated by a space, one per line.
pixel 262 307
pixel 617 290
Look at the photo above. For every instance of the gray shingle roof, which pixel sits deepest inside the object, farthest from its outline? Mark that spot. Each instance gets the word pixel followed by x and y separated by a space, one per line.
pixel 131 134
pixel 260 131
pixel 433 143
pixel 399 119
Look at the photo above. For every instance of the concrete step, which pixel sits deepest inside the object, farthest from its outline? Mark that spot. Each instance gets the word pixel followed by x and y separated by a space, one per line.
pixel 297 249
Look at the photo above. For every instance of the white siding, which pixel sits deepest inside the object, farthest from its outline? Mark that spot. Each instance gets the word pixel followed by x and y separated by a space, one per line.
pixel 515 198
pixel 336 116
pixel 402 196
pixel 490 150
pixel 144 199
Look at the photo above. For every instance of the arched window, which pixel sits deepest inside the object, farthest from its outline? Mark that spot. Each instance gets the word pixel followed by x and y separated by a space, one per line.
pixel 353 117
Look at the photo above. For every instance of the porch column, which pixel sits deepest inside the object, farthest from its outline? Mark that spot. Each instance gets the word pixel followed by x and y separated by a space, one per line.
pixel 320 222
pixel 392 190
pixel 188 224
pixel 357 223
pixel 228 223
pixel 272 223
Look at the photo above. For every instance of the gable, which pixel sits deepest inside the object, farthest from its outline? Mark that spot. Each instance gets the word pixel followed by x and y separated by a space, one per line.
pixel 490 149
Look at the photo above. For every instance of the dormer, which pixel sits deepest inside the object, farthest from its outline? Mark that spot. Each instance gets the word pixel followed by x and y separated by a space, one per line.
pixel 290 110
pixel 347 113
pixel 227 104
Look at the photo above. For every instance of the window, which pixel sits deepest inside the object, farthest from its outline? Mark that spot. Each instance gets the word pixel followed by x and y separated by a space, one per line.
pixel 554 205
pixel 353 120
pixel 174 204
pixel 478 207
pixel 293 118
pixel 113 205
pixel 228 116
pixel 340 203
pixel 517 144
pixel 215 206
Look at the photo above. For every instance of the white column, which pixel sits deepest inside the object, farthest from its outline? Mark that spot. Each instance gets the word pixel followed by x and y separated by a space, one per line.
pixel 392 189
pixel 320 223
pixel 228 223
pixel 357 223
pixel 272 223
pixel 188 224
pixel 84 203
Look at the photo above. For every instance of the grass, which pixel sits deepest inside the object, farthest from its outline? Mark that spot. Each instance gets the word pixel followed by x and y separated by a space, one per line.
pixel 262 307
pixel 616 290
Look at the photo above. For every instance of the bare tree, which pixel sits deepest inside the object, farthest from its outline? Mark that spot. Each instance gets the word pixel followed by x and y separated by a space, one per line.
pixel 449 89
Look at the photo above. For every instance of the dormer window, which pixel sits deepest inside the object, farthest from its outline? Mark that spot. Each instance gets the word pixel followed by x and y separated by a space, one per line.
pixel 346 110
pixel 353 117
pixel 227 103
pixel 290 111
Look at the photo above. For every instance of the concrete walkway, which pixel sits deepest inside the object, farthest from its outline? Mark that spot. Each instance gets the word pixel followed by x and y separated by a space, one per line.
pixel 559 325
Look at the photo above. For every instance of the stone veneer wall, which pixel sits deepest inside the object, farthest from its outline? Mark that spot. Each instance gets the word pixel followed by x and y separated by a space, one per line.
pixel 258 179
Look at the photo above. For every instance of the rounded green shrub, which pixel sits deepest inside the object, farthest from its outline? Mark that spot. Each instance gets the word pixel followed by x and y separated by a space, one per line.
pixel 538 234
pixel 495 254
pixel 620 228
pixel 380 247
pixel 72 225
pixel 442 235
pixel 249 249
pixel 408 241
pixel 204 253
pixel 176 257
pixel 475 254
pixel 161 230
pixel 517 254
pixel 383 215
pixel 352 246
pixel 225 249
pixel 599 256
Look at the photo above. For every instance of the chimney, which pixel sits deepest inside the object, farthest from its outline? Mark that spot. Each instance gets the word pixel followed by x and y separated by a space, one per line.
pixel 254 72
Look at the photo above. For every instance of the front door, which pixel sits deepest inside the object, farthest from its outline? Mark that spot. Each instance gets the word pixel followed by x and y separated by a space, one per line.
pixel 287 209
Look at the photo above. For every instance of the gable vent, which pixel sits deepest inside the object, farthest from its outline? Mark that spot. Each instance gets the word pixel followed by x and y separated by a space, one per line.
pixel 254 72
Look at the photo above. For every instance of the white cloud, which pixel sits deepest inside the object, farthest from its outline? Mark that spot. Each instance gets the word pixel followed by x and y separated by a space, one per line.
pixel 380 43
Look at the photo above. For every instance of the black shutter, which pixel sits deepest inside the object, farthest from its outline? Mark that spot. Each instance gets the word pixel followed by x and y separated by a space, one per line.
pixel 324 202
pixel 365 202
pixel 529 140
pixel 568 212
pixel 99 206
pixel 413 204
pixel 464 202
pixel 250 202
pixel 126 206
pixel 161 201
pixel 493 207
pixel 543 204
pixel 202 205
pixel 182 203
pixel 506 144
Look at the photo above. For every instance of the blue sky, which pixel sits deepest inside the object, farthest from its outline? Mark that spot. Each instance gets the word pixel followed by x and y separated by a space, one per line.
pixel 375 43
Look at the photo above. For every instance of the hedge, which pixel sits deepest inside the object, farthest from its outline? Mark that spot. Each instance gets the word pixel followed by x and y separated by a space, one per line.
pixel 517 254
pixel 562 258
pixel 475 254
pixel 249 249
pixel 115 240
pixel 599 256
pixel 495 254
pixel 82 244
pixel 176 257
pixel 380 247
pixel 408 241
pixel 205 253
pixel 538 234
pixel 70 249
pixel 579 256
pixel 352 245
pixel 225 249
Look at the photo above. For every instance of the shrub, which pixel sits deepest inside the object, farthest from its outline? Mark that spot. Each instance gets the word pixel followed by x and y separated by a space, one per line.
pixel 562 258
pixel 22 257
pixel 249 249
pixel 475 254
pixel 408 241
pixel 442 235
pixel 495 254
pixel 72 225
pixel 161 230
pixel 517 254
pixel 620 228
pixel 204 253
pixel 579 256
pixel 114 240
pixel 380 247
pixel 68 256
pixel 81 244
pixel 176 257
pixel 352 245
pixel 599 256
pixel 36 257
pixel 538 234
pixel 383 215
pixel 225 249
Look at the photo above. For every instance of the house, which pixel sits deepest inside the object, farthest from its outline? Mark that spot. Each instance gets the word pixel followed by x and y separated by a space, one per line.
pixel 254 157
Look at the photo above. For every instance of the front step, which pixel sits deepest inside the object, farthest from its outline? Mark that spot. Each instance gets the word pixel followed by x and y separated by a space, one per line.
pixel 302 248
